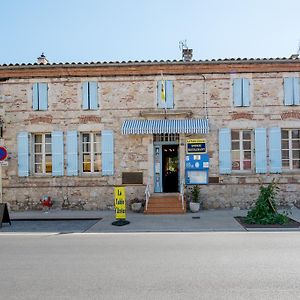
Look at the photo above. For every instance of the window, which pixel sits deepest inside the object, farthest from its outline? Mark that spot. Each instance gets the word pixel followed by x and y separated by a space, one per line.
pixel 241 150
pixel 290 149
pixel 40 96
pixel 42 153
pixel 166 137
pixel 90 95
pixel 291 91
pixel 91 161
pixel 165 94
pixel 241 92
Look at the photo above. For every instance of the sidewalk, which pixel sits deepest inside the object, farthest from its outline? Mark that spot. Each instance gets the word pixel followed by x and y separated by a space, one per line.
pixel 89 221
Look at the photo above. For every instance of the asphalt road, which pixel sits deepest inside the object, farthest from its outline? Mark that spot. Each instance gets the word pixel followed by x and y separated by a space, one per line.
pixel 210 265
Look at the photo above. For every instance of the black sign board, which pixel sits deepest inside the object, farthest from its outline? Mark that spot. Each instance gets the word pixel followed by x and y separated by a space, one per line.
pixel 196 146
pixel 132 178
pixel 4 215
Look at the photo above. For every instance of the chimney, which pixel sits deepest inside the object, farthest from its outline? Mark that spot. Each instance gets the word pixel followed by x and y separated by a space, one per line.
pixel 42 59
pixel 294 56
pixel 187 54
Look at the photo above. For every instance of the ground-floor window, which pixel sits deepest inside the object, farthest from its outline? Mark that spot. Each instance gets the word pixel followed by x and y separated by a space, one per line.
pixel 42 153
pixel 241 150
pixel 290 149
pixel 90 152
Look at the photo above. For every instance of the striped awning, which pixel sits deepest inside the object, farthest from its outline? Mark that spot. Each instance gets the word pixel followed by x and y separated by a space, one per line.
pixel 165 126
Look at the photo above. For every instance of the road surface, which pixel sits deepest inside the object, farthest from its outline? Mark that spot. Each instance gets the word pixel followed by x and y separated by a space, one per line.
pixel 208 265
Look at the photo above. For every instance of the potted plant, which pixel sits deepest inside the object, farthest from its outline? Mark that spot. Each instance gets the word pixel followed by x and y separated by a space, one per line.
pixel 195 203
pixel 136 204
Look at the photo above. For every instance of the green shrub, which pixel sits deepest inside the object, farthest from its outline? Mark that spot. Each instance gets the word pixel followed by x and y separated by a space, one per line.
pixel 195 193
pixel 265 209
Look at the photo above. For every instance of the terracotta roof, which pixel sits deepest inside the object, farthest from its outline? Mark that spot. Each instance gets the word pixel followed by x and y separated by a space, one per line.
pixel 153 62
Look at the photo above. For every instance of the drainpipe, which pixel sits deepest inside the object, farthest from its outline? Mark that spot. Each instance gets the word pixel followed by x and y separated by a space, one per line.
pixel 205 97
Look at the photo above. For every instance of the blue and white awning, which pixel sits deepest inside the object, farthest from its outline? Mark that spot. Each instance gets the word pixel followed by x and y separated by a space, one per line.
pixel 192 126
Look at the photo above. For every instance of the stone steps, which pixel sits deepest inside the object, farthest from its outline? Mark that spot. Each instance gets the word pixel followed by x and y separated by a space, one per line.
pixel 165 204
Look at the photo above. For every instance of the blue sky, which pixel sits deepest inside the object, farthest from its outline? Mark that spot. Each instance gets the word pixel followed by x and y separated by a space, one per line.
pixel 118 30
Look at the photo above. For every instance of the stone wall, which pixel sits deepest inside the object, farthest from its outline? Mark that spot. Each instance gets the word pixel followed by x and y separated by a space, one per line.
pixel 125 97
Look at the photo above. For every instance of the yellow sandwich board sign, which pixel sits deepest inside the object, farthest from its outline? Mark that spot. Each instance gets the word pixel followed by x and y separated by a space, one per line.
pixel 120 203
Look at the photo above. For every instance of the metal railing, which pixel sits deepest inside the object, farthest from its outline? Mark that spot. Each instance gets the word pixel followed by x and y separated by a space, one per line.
pixel 181 195
pixel 147 193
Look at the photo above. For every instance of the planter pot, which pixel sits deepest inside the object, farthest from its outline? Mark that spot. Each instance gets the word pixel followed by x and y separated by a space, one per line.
pixel 194 207
pixel 136 207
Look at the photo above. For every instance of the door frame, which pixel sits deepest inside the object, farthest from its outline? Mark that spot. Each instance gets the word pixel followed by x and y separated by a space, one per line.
pixel 160 144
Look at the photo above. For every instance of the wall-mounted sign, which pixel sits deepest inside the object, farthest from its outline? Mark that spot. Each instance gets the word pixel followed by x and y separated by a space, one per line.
pixel 196 146
pixel 3 153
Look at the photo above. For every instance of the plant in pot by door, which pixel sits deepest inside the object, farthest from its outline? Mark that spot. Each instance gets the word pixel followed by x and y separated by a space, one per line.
pixel 195 201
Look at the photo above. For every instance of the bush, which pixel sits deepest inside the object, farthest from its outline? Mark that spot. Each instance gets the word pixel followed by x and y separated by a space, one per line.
pixel 265 210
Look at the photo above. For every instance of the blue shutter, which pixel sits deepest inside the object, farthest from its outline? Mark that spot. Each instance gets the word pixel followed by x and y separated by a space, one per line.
pixel 169 94
pixel 107 145
pixel 93 95
pixel 237 92
pixel 275 149
pixel 260 150
pixel 246 92
pixel 23 154
pixel 296 91
pixel 160 103
pixel 35 96
pixel 57 139
pixel 43 96
pixel 72 153
pixel 85 95
pixel 225 151
pixel 288 91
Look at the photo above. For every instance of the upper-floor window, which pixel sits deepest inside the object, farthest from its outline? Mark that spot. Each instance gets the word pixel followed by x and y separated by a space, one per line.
pixel 90 95
pixel 42 153
pixel 241 150
pixel 291 91
pixel 241 92
pixel 91 152
pixel 165 94
pixel 40 96
pixel 290 149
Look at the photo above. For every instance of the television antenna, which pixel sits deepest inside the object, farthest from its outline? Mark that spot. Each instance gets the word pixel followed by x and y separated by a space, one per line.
pixel 183 45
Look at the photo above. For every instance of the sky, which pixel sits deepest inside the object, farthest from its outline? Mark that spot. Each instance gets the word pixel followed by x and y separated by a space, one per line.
pixel 123 30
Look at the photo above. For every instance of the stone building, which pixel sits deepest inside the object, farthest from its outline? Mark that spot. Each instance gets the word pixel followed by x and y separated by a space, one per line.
pixel 75 130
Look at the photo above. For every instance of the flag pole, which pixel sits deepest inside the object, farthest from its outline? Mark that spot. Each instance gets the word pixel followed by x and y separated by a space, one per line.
pixel 163 92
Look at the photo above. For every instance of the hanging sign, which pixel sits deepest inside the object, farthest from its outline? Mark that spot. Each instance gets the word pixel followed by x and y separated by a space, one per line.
pixel 120 203
pixel 196 146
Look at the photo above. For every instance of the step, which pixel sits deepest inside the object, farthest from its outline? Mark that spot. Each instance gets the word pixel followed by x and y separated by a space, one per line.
pixel 164 211
pixel 164 195
pixel 167 201
pixel 160 204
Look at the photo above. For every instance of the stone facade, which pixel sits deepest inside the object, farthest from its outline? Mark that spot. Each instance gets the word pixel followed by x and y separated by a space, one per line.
pixel 129 91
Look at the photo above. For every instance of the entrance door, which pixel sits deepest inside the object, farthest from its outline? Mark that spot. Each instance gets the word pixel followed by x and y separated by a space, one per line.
pixel 166 168
pixel 170 168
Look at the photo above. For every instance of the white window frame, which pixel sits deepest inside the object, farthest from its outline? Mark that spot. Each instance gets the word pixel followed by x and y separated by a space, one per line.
pixel 43 153
pixel 91 152
pixel 290 159
pixel 242 151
